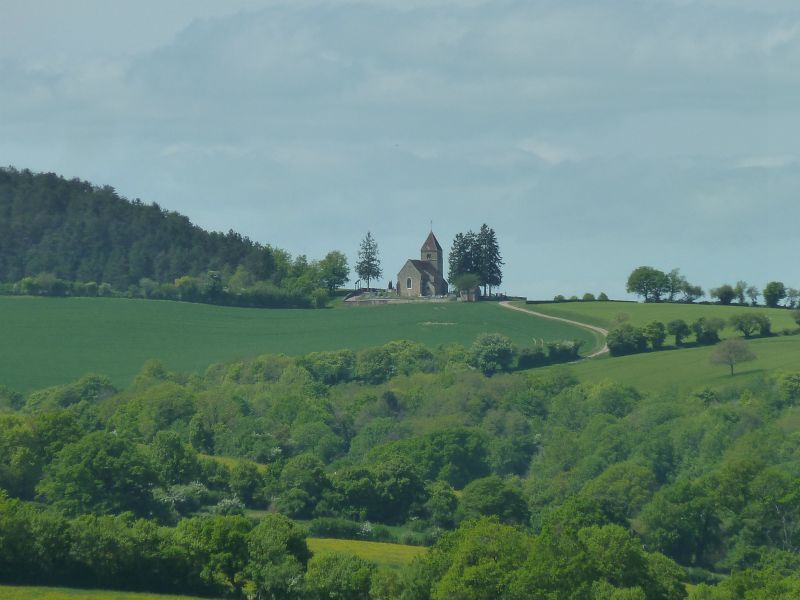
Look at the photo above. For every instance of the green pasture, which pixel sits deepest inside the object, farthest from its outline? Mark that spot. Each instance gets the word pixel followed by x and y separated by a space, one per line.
pixel 10 592
pixel 48 341
pixel 687 369
pixel 607 314
pixel 393 556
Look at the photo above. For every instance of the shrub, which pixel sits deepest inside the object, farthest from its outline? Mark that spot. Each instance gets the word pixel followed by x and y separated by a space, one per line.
pixel 531 357
pixel 707 330
pixel 626 339
pixel 492 352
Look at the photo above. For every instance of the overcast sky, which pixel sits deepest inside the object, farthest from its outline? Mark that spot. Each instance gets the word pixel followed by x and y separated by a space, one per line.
pixel 594 136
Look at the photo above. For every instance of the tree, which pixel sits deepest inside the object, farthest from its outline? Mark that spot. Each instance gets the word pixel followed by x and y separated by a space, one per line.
pixel 649 283
pixel 752 294
pixel 655 333
pixel 103 473
pixel 369 265
pixel 774 293
pixel 675 283
pixel 692 293
pixel 724 293
pixel 490 261
pixel 334 270
pixel 731 352
pixel 463 258
pixel 746 323
pixel 741 291
pixel 278 555
pixel 339 576
pixel 707 330
pixel 626 339
pixel 679 329
pixel 603 297
pixel 792 295
pixel 492 352
pixel 491 496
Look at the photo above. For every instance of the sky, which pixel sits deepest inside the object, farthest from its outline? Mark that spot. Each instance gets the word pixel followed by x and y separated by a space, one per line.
pixel 594 136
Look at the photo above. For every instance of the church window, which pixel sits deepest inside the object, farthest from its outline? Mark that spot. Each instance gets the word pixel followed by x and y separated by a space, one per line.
pixel 429 255
pixel 408 283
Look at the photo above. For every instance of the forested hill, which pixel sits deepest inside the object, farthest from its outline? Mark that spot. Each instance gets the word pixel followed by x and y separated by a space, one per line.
pixel 82 232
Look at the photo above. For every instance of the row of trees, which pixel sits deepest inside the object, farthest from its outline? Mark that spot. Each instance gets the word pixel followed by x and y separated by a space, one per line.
pixel 629 339
pixel 654 285
pixel 475 260
pixel 304 284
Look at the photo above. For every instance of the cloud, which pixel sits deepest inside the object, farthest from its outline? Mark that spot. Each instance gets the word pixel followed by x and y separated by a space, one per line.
pixel 766 162
pixel 549 153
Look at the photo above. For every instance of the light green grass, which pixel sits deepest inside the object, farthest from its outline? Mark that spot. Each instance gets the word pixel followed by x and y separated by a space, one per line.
pixel 604 314
pixel 8 592
pixel 48 341
pixel 393 556
pixel 231 462
pixel 688 369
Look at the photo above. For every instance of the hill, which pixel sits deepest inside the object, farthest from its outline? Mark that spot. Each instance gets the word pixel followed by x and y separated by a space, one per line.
pixel 46 341
pixel 83 232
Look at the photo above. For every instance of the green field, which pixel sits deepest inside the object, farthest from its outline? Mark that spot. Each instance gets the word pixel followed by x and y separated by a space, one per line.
pixel 48 341
pixel 685 368
pixel 393 556
pixel 688 369
pixel 8 592
pixel 606 314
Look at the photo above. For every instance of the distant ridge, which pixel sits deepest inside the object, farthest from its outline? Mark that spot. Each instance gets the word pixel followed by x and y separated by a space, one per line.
pixel 83 232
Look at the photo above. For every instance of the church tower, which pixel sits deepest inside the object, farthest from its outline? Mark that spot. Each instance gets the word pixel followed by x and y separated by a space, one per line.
pixel 432 253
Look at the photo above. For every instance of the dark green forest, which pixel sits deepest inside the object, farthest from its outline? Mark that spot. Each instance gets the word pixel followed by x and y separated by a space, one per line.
pixel 525 485
pixel 68 237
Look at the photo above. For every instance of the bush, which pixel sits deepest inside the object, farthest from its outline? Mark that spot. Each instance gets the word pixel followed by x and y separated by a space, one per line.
pixel 707 330
pixel 492 352
pixel 626 339
pixel 563 351
pixel 529 358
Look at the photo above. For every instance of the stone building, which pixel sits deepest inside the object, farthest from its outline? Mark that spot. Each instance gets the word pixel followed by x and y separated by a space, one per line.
pixel 424 277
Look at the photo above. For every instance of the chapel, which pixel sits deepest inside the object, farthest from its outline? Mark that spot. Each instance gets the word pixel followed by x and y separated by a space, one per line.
pixel 424 277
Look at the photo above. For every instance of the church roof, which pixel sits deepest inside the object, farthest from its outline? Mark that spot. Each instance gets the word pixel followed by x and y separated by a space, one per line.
pixel 424 266
pixel 431 244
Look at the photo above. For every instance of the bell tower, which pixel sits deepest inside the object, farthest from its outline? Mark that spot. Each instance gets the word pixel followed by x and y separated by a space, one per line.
pixel 431 252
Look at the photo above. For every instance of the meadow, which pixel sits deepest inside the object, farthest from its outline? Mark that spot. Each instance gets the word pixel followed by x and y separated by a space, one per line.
pixel 607 314
pixel 12 592
pixel 393 556
pixel 680 369
pixel 48 341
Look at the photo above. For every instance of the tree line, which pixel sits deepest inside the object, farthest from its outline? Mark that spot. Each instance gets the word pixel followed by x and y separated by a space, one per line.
pixel 68 237
pixel 653 285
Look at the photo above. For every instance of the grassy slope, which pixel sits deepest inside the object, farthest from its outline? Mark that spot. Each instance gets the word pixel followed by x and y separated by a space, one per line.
pixel 8 592
pixel 603 314
pixel 689 368
pixel 684 369
pixel 47 341
pixel 393 556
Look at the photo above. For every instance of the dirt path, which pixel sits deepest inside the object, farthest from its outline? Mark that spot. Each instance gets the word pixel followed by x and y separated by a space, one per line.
pixel 593 328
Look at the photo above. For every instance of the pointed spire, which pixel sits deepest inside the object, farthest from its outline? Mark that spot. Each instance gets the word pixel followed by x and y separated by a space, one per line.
pixel 431 243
